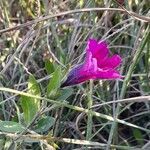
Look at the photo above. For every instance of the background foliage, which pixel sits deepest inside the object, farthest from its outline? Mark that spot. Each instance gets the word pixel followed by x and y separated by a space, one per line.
pixel 35 57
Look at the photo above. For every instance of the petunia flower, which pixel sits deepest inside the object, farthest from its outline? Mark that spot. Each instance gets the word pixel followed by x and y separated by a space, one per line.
pixel 97 65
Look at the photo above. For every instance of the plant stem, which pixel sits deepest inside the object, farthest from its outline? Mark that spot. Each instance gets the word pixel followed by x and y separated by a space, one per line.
pixel 90 115
pixel 76 108
pixel 136 58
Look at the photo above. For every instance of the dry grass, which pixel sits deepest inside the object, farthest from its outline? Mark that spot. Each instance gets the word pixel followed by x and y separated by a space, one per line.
pixel 39 42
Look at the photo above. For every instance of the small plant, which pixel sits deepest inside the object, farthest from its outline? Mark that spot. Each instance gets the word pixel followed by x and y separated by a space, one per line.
pixel 74 74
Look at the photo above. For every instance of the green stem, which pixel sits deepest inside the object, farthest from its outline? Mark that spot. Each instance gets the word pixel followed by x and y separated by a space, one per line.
pixel 60 50
pixel 76 108
pixel 126 82
pixel 90 115
pixel 134 62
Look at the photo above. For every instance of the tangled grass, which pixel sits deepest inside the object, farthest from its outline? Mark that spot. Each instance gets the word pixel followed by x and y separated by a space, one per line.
pixel 40 41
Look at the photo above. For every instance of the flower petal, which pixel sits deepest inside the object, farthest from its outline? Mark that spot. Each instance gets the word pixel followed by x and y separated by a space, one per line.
pixel 112 62
pixel 97 65
pixel 77 75
pixel 99 50
pixel 94 65
pixel 107 74
pixel 88 61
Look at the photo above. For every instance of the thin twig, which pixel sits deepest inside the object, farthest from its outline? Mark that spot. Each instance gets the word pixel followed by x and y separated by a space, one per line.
pixel 38 137
pixel 127 100
pixel 137 17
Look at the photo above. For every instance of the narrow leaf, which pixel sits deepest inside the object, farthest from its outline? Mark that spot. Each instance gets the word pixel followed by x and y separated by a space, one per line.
pixel 30 105
pixel 49 66
pixel 65 93
pixel 44 124
pixel 10 126
pixel 54 82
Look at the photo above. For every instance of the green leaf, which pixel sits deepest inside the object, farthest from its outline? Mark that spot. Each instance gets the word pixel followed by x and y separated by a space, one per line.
pixel 44 124
pixel 54 83
pixel 33 87
pixel 138 136
pixel 65 93
pixel 10 126
pixel 30 105
pixel 49 66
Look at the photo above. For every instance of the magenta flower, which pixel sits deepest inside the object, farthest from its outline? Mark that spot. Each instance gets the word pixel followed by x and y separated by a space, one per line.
pixel 97 65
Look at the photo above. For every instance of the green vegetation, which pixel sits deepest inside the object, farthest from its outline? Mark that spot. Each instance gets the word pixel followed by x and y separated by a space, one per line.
pixel 40 40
